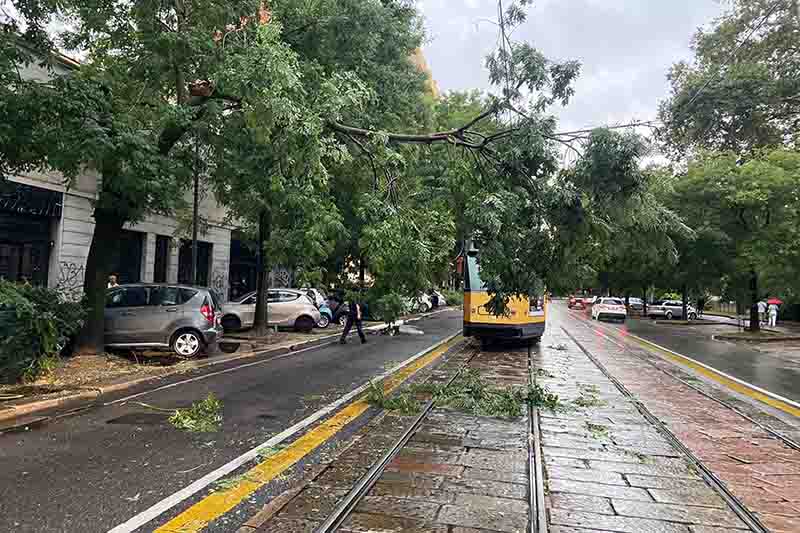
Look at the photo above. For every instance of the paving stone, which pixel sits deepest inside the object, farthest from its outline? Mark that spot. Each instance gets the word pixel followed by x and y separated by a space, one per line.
pixel 313 503
pixel 478 501
pixel 680 496
pixel 568 462
pixel 577 453
pixel 598 489
pixel 288 525
pixel 406 490
pixel 415 479
pixel 376 523
pixel 780 524
pixel 487 487
pixel 585 474
pixel 619 524
pixel 658 482
pixel 483 519
pixel 646 469
pixel 678 513
pixel 580 502
pixel 495 475
pixel 712 529
pixel 399 507
pixel 508 460
pixel 444 470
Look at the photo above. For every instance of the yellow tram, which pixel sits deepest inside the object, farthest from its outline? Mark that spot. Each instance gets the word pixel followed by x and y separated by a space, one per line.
pixel 525 319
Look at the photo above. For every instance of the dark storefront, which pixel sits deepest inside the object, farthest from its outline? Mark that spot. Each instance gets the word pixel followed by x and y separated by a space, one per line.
pixel 161 262
pixel 243 267
pixel 128 262
pixel 26 218
pixel 185 262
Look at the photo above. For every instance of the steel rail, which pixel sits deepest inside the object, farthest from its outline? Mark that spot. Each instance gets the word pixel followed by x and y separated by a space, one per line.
pixel 747 516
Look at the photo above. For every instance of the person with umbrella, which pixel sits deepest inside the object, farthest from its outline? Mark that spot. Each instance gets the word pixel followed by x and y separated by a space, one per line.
pixel 773 311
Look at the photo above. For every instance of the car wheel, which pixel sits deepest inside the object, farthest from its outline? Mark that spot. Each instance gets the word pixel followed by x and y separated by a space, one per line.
pixel 304 324
pixel 324 321
pixel 231 323
pixel 187 343
pixel 693 316
pixel 668 316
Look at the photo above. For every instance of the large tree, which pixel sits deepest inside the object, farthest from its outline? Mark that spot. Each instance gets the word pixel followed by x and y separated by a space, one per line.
pixel 741 91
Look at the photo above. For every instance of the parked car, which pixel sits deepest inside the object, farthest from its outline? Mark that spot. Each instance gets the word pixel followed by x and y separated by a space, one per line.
pixel 419 304
pixel 442 299
pixel 637 304
pixel 670 309
pixel 612 308
pixel 318 297
pixel 288 308
pixel 181 318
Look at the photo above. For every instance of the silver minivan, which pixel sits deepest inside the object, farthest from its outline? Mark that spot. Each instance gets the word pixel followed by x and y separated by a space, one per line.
pixel 181 318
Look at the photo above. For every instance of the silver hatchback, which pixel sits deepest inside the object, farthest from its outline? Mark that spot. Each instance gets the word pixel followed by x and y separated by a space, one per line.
pixel 181 318
pixel 287 308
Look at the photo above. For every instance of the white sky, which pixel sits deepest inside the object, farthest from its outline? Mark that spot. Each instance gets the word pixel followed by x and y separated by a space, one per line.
pixel 625 46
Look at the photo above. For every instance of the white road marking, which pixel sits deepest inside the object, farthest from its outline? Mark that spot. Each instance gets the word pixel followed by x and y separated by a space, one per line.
pixel 171 501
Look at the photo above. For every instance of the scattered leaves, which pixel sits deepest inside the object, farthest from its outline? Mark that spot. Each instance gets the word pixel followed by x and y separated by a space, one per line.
pixel 204 416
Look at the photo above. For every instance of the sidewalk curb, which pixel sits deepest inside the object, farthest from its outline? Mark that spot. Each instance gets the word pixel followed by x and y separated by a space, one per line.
pixel 12 412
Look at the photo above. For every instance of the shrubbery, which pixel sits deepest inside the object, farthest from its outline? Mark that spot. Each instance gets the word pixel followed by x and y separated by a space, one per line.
pixel 453 297
pixel 35 325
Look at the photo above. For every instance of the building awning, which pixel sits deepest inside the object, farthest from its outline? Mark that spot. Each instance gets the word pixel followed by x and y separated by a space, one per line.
pixel 23 199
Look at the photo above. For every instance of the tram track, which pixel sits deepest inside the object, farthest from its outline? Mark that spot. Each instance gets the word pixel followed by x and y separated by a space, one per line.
pixel 537 522
pixel 778 435
pixel 748 517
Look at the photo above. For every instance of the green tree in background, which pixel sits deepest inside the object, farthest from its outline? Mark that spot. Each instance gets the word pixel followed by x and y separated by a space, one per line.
pixel 741 92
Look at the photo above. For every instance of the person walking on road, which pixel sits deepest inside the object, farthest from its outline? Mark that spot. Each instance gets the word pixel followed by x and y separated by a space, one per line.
pixel 762 311
pixel 354 314
pixel 773 315
pixel 112 281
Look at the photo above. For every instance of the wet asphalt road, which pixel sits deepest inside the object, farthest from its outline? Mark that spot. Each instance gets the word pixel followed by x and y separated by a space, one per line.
pixel 778 375
pixel 91 472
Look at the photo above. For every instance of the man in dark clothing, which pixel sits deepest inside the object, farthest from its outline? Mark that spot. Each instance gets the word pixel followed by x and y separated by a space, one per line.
pixel 354 314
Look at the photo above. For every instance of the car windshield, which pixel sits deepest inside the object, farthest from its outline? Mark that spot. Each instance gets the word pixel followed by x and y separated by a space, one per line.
pixel 612 301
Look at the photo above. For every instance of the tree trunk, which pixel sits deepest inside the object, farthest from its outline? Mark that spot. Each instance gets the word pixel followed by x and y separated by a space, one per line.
pixel 755 321
pixel 644 301
pixel 102 251
pixel 684 302
pixel 261 321
pixel 627 300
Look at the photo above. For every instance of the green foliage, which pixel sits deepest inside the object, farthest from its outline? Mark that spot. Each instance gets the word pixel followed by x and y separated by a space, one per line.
pixel 204 416
pixel 402 402
pixel 35 325
pixel 539 396
pixel 746 66
pixel 455 298
pixel 390 307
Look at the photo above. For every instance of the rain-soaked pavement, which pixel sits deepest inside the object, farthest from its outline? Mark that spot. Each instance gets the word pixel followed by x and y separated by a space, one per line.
pixel 769 371
pixel 607 467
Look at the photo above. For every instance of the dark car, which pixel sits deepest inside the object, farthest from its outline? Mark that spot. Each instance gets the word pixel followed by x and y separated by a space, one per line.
pixel 181 318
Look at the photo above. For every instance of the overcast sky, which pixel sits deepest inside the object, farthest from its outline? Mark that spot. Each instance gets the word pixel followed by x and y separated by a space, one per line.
pixel 625 47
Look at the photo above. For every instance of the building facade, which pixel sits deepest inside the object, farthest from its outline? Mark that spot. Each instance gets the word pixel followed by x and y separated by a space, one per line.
pixel 46 228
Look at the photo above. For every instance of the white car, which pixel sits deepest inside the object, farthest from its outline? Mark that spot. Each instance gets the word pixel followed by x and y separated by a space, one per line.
pixel 613 308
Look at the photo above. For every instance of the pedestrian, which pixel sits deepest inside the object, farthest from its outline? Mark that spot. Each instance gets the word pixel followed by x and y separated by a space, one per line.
pixel 434 299
pixel 701 305
pixel 762 311
pixel 112 281
pixel 773 315
pixel 354 314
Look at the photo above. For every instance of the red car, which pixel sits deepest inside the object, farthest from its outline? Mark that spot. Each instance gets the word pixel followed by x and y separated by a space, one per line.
pixel 575 303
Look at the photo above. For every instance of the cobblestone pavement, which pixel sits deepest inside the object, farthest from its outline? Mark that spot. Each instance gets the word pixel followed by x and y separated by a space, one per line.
pixel 760 470
pixel 458 474
pixel 607 467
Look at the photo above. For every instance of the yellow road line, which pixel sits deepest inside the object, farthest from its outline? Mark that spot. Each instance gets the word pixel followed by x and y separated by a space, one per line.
pixel 199 515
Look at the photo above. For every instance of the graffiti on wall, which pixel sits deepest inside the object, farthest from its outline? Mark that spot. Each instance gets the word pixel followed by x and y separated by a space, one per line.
pixel 219 282
pixel 70 279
